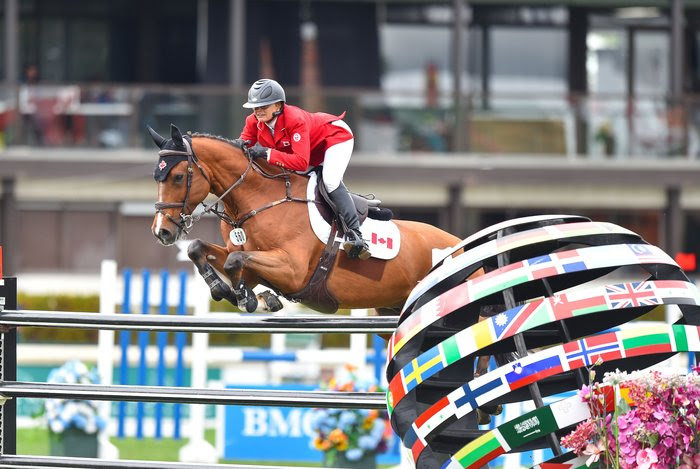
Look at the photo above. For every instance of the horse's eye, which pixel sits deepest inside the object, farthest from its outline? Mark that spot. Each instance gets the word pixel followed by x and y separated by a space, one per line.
pixel 179 177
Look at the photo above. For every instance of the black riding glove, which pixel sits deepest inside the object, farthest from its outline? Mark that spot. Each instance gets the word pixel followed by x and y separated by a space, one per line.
pixel 258 151
pixel 240 142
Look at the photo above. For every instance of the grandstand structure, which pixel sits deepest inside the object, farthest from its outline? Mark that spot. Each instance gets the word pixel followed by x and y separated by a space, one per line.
pixel 465 113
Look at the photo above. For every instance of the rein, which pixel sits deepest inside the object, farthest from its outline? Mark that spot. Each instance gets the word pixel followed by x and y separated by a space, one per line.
pixel 188 220
pixel 287 185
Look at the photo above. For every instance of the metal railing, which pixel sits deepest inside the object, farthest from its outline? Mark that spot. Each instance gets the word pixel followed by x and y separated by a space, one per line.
pixel 10 388
pixel 221 323
pixel 598 126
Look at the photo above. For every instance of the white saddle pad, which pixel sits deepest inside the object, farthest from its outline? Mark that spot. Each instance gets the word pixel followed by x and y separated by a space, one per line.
pixel 382 237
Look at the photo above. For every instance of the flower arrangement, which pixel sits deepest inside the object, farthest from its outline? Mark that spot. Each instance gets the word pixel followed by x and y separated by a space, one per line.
pixel 654 424
pixel 81 414
pixel 350 434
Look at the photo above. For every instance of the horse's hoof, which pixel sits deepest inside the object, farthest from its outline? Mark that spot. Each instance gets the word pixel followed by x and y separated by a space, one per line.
pixel 250 304
pixel 219 291
pixel 270 301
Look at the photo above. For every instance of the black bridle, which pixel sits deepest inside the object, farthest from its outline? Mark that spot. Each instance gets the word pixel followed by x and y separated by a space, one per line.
pixel 187 220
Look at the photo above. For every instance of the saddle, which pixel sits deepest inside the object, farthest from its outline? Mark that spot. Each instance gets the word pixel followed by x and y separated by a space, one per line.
pixel 315 294
pixel 366 206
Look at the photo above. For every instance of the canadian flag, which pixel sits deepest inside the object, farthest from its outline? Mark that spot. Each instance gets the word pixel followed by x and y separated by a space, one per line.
pixel 377 240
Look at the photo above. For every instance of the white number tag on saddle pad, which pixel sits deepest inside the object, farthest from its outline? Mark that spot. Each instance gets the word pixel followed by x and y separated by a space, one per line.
pixel 237 236
pixel 382 237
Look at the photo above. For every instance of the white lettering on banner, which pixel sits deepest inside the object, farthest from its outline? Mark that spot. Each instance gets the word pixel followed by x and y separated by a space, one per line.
pixel 263 422
pixel 254 421
pixel 306 421
pixel 281 426
pixel 527 424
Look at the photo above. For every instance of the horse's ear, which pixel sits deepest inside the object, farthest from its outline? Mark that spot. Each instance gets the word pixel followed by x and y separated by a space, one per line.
pixel 175 134
pixel 159 140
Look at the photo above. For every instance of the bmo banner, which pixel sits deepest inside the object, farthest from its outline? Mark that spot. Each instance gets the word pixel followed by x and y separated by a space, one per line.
pixel 281 434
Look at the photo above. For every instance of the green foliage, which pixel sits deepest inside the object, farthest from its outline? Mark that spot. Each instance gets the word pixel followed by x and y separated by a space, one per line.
pixel 91 304
pixel 76 303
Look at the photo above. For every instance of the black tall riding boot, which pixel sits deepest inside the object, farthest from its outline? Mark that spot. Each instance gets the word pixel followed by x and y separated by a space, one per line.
pixel 354 246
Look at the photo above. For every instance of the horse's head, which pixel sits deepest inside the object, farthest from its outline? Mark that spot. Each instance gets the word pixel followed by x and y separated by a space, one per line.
pixel 182 185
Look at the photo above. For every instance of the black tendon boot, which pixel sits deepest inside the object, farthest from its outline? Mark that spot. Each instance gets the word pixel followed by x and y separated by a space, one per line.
pixel 354 246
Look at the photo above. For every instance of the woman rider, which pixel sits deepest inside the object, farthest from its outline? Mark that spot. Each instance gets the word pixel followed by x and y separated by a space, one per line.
pixel 295 139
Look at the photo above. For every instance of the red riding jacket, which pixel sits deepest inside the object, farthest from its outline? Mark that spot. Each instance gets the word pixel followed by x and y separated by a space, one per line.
pixel 301 138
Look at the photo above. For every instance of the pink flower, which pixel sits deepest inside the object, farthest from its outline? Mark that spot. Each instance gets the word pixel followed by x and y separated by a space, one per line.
pixel 646 458
pixel 594 451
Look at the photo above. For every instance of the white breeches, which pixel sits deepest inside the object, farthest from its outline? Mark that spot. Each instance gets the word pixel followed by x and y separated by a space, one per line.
pixel 336 160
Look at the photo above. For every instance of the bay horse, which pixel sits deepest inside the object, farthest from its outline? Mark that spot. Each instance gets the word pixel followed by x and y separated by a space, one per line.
pixel 280 248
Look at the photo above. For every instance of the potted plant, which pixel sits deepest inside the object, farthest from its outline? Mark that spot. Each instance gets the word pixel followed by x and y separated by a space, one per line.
pixel 73 424
pixel 654 424
pixel 351 438
pixel 606 137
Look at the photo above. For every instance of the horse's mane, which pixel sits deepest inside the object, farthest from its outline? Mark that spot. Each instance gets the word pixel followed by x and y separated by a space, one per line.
pixel 233 143
pixel 230 141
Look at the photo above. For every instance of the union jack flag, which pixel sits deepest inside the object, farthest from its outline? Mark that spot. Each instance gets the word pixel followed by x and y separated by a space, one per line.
pixel 629 295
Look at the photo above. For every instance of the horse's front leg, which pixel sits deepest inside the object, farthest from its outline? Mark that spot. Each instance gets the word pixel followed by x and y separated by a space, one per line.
pixel 207 257
pixel 274 267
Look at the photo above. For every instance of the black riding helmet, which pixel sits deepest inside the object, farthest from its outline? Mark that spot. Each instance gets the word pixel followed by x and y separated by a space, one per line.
pixel 264 92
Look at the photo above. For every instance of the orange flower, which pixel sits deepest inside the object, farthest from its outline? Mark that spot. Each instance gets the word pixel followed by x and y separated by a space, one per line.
pixel 337 437
pixel 321 444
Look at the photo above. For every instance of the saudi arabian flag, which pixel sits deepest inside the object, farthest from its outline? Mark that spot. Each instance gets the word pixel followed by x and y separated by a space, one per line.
pixel 531 426
pixel 480 451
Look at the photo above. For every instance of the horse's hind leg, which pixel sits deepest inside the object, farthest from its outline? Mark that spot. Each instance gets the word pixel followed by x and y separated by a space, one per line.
pixel 253 266
pixel 204 255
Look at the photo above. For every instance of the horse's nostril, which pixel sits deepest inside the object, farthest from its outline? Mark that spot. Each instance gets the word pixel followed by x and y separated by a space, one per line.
pixel 164 234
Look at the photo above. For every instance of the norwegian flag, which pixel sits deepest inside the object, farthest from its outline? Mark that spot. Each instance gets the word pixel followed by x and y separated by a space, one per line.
pixel 585 352
pixel 389 242
pixel 629 295
pixel 559 263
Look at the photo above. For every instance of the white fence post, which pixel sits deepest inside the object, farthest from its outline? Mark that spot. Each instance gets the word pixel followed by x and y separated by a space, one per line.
pixel 198 449
pixel 105 347
pixel 358 344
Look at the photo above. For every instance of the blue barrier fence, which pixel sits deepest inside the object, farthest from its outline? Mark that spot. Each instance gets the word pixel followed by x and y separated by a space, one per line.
pixel 377 357
pixel 143 340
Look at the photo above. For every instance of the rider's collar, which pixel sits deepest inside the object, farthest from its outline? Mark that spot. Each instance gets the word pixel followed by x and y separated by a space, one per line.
pixel 169 157
pixel 271 124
